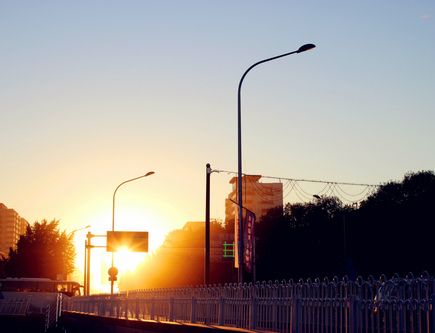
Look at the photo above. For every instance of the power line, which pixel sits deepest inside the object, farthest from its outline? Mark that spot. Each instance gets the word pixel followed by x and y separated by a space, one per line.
pixel 293 185
pixel 299 180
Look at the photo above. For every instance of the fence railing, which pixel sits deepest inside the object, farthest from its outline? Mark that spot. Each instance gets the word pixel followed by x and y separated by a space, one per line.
pixel 395 305
pixel 53 311
pixel 15 306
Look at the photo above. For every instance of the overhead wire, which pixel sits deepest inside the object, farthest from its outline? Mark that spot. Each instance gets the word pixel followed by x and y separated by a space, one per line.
pixel 293 186
pixel 265 192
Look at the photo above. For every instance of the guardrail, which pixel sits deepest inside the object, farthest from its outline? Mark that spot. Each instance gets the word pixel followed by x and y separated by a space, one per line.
pixel 395 305
pixel 53 311
pixel 15 306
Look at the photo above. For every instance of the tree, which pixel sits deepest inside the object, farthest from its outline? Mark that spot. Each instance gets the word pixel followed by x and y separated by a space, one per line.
pixel 393 231
pixel 390 233
pixel 43 252
pixel 304 239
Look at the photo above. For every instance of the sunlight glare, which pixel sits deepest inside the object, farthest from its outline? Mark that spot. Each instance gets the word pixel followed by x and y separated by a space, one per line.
pixel 127 261
pixel 128 217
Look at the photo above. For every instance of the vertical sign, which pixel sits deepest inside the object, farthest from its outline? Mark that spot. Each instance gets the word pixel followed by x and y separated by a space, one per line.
pixel 236 237
pixel 248 240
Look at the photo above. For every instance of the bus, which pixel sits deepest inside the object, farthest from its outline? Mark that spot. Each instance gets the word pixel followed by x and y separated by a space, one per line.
pixel 43 285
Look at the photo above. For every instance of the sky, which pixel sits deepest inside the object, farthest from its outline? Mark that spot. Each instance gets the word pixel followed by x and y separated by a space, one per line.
pixel 94 93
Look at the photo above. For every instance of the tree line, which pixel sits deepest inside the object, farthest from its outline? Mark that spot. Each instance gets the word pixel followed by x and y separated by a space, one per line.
pixel 389 232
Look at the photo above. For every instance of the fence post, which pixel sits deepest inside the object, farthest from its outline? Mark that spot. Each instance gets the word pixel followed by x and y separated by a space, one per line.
pixel 431 306
pixel 126 307
pixel 171 308
pixel 296 314
pixel 193 311
pixel 137 307
pixel 353 314
pixel 207 312
pixel 221 321
pixel 58 305
pixel 253 312
pixel 153 308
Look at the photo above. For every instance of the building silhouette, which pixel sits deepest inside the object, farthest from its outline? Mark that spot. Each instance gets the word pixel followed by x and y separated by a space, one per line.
pixel 257 197
pixel 12 226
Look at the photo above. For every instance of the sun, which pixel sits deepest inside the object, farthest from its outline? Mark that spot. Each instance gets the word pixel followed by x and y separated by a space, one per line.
pixel 127 261
pixel 129 218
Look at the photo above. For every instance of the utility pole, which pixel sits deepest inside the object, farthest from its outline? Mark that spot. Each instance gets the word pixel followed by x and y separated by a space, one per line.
pixel 207 225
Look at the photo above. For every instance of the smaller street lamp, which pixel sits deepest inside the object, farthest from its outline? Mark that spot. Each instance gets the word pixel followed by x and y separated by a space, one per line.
pixel 130 180
pixel 74 231
pixel 113 221
pixel 64 273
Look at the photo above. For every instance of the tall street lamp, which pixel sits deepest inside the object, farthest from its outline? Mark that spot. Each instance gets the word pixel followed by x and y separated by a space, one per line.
pixel 113 213
pixel 303 48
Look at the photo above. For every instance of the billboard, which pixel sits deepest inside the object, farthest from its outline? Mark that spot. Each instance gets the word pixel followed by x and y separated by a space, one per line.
pixel 134 241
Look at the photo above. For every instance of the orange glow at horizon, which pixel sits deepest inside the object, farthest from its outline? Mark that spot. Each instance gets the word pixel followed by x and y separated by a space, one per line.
pixel 124 260
pixel 131 214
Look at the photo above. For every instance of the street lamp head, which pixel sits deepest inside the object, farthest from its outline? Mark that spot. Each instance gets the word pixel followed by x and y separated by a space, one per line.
pixel 74 231
pixel 149 173
pixel 306 47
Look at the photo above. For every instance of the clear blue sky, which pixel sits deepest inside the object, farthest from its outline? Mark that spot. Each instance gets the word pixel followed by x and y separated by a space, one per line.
pixel 93 93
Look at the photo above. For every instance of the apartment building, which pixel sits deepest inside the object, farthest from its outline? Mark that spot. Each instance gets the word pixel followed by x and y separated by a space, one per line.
pixel 12 226
pixel 257 197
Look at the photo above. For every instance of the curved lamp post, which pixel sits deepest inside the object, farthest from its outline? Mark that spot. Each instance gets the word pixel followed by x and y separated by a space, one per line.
pixel 74 231
pixel 64 273
pixel 113 212
pixel 303 48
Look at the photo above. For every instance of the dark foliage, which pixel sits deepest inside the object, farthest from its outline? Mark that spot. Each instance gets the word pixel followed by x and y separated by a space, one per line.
pixel 303 241
pixel 389 233
pixel 43 252
pixel 392 230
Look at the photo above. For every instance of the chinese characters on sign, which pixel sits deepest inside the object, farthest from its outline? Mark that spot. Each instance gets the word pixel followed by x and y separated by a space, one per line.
pixel 248 240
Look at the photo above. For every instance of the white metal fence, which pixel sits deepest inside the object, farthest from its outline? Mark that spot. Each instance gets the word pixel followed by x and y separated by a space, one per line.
pixel 395 305
pixel 17 306
pixel 53 311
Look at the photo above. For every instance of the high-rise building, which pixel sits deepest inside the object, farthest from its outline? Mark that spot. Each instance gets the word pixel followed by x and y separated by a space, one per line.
pixel 257 197
pixel 12 226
